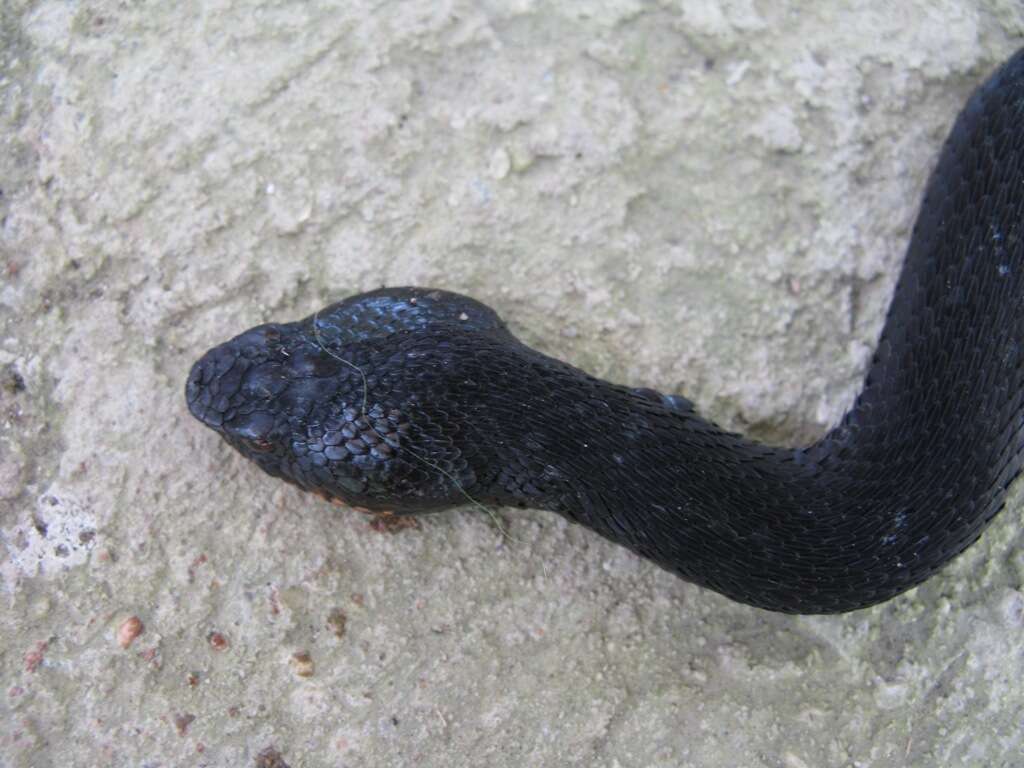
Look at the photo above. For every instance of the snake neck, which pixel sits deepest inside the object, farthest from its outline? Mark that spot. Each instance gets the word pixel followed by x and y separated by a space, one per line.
pixel 672 487
pixel 908 479
pixel 866 513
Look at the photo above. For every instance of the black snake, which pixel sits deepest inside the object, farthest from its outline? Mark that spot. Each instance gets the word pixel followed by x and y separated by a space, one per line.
pixel 413 400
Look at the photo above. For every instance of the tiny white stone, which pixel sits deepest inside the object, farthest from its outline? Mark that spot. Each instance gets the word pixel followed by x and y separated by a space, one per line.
pixel 736 72
pixel 501 163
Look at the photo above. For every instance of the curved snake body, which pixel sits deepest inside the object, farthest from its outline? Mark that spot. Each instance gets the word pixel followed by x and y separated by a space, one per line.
pixel 410 399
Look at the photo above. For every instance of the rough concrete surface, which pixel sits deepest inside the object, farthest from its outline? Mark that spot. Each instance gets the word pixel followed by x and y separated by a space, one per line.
pixel 710 197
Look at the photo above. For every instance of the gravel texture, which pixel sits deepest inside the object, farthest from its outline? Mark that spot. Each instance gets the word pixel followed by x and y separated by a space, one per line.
pixel 704 197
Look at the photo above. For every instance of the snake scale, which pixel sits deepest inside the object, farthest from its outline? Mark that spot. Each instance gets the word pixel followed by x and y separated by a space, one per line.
pixel 412 400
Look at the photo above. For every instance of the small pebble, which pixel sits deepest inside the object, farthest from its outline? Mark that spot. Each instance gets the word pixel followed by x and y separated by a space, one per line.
pixel 182 722
pixel 270 758
pixel 336 622
pixel 302 664
pixel 130 628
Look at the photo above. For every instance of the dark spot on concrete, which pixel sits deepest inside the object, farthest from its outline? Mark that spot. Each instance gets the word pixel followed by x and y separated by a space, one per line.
pixel 270 758
pixel 182 722
pixel 336 622
pixel 11 381
pixel 387 523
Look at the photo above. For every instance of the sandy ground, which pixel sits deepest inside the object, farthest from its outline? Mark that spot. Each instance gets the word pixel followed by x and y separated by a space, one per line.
pixel 707 197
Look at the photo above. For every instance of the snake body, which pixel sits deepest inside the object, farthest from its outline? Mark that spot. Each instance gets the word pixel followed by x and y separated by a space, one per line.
pixel 412 400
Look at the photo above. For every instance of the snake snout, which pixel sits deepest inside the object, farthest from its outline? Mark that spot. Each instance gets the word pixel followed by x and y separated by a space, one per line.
pixel 233 376
pixel 199 395
pixel 212 388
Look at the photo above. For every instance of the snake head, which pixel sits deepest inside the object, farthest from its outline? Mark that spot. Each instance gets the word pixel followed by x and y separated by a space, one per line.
pixel 350 402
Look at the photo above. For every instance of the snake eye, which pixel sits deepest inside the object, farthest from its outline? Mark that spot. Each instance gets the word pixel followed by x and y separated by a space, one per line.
pixel 253 430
